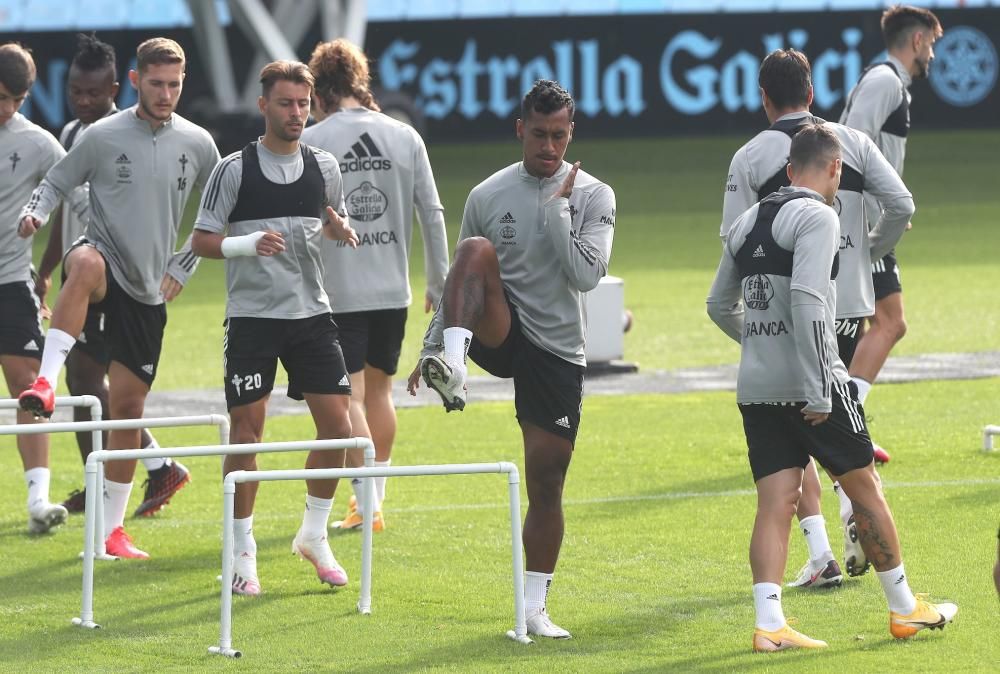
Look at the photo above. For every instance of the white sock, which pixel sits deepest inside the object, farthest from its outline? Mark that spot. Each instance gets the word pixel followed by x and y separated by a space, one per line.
pixel 814 529
pixel 536 590
pixel 153 464
pixel 897 590
pixel 316 516
pixel 863 388
pixel 380 485
pixel 37 480
pixel 243 540
pixel 57 346
pixel 358 486
pixel 767 603
pixel 846 507
pixel 456 346
pixel 115 503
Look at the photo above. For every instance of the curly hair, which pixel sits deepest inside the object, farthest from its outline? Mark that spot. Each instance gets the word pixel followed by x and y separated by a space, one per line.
pixel 341 71
pixel 546 97
pixel 92 54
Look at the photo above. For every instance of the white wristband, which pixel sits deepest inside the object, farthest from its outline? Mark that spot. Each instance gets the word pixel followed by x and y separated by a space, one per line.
pixel 241 246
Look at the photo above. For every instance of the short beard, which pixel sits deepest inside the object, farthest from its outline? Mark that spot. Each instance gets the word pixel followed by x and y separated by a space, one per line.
pixel 923 68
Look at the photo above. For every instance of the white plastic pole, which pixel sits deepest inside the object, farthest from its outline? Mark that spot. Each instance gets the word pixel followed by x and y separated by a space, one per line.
pixel 988 434
pixel 225 646
pixel 367 531
pixel 519 633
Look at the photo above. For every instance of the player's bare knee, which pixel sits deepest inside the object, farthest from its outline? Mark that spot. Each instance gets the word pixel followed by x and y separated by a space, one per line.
pixel 86 271
pixel 898 328
pixel 475 252
pixel 128 407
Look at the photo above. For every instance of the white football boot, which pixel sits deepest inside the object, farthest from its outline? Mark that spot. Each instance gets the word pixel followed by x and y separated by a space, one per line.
pixel 449 382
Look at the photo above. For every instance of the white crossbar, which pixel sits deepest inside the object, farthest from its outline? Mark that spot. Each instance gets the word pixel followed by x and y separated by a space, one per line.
pixel 225 646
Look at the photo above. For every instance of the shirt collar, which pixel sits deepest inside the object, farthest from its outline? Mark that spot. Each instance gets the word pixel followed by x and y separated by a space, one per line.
pixel 559 175
pixel 793 115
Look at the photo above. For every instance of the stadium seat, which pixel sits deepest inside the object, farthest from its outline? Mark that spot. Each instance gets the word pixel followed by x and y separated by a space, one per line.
pixel 11 15
pixel 642 6
pixel 432 9
pixel 386 10
pixel 104 15
pixel 159 14
pixel 49 15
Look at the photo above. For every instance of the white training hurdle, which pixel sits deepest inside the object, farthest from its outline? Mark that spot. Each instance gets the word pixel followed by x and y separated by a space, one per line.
pixel 988 434
pixel 97 458
pixel 519 633
pixel 93 530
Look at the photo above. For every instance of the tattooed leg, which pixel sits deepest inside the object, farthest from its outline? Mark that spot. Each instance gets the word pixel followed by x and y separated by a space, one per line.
pixel 473 292
pixel 876 528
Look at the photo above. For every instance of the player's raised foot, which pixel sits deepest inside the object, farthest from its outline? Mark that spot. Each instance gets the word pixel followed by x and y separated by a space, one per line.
pixel 245 581
pixel 44 517
pixel 76 502
pixel 40 399
pixel 540 624
pixel 819 575
pixel 119 544
pixel 160 486
pixel 855 559
pixel 782 640
pixel 926 614
pixel 447 381
pixel 881 456
pixel 317 552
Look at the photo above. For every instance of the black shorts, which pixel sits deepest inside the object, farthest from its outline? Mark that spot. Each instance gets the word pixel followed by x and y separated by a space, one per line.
pixel 848 334
pixel 778 437
pixel 20 321
pixel 306 347
pixel 885 277
pixel 372 337
pixel 133 330
pixel 92 340
pixel 548 391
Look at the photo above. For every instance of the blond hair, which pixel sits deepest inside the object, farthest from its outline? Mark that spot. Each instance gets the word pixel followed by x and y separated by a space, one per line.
pixel 158 51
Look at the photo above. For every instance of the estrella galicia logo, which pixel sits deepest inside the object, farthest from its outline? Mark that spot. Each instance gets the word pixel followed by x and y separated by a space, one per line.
pixel 366 203
pixel 965 68
pixel 124 170
pixel 508 232
pixel 757 292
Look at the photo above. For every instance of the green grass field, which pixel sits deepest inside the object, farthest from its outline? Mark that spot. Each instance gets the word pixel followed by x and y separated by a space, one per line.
pixel 653 575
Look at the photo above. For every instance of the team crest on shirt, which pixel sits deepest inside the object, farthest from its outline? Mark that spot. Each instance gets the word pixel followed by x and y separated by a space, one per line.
pixel 124 169
pixel 366 203
pixel 14 158
pixel 757 292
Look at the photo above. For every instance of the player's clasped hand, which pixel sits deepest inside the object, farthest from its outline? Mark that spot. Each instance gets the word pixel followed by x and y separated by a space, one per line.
pixel 270 244
pixel 815 418
pixel 28 226
pixel 338 229
pixel 170 287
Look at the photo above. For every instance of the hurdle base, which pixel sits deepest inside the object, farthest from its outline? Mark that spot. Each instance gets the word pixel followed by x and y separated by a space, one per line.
pixel 225 652
pixel 523 639
pixel 364 609
pixel 103 557
pixel 86 624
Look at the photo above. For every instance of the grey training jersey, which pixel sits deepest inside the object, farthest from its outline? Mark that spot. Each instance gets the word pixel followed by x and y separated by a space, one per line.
pixel 386 175
pixel 27 152
pixel 786 323
pixel 755 172
pixel 877 96
pixel 76 206
pixel 288 285
pixel 551 251
pixel 140 181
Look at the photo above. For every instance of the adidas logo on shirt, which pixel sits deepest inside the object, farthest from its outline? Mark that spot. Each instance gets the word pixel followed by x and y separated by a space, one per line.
pixel 562 421
pixel 123 159
pixel 344 381
pixel 508 219
pixel 31 346
pixel 148 369
pixel 759 252
pixel 364 156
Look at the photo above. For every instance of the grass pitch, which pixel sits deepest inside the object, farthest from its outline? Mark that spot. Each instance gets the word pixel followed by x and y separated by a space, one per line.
pixel 653 575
